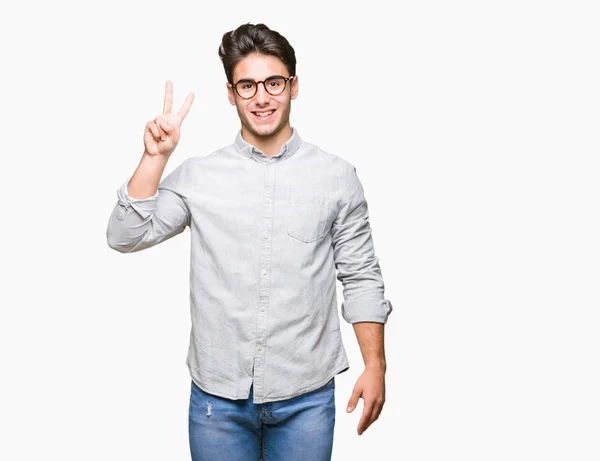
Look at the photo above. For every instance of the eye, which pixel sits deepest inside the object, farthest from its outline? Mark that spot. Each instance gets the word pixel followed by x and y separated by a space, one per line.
pixel 276 82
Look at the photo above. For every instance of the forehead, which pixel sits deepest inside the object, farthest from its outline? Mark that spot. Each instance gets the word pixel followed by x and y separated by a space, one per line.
pixel 258 67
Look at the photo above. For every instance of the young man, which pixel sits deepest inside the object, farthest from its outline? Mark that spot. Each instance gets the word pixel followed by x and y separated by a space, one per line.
pixel 271 218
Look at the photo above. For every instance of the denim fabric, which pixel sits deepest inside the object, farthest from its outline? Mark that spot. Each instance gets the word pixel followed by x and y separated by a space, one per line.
pixel 267 235
pixel 296 429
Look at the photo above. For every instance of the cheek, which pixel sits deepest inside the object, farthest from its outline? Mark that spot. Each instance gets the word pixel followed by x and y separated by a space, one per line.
pixel 284 108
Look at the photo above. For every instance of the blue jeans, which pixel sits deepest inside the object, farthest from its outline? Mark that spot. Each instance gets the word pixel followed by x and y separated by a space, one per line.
pixel 295 429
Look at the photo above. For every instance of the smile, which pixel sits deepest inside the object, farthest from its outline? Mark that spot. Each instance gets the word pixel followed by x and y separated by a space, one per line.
pixel 264 115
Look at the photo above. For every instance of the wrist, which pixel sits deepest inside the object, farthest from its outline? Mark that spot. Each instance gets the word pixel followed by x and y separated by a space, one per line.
pixel 155 159
pixel 376 365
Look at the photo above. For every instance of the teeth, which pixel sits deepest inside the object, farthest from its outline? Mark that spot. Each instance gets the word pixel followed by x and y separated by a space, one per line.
pixel 263 114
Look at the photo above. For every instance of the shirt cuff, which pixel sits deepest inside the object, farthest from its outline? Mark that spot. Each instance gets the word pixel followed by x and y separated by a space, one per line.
pixel 367 310
pixel 144 206
pixel 123 190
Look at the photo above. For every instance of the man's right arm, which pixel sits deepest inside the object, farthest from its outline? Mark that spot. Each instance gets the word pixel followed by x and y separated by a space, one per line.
pixel 148 211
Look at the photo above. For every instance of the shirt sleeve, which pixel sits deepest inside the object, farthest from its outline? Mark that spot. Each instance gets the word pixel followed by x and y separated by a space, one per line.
pixel 136 224
pixel 354 256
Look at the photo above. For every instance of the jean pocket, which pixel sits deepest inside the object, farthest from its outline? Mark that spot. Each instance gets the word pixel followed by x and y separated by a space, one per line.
pixel 307 219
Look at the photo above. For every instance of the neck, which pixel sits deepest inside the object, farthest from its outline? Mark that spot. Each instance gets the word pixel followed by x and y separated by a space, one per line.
pixel 270 145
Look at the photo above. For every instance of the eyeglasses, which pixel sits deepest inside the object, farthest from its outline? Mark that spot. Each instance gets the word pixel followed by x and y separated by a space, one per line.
pixel 275 85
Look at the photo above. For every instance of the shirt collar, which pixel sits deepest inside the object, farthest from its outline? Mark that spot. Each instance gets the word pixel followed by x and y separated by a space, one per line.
pixel 287 150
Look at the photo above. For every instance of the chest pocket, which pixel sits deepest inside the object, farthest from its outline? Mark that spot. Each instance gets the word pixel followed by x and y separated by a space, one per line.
pixel 307 220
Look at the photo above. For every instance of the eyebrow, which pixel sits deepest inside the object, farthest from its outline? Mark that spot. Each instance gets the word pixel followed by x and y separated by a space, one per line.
pixel 251 80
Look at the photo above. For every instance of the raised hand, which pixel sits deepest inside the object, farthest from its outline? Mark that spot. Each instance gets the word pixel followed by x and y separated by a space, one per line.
pixel 162 134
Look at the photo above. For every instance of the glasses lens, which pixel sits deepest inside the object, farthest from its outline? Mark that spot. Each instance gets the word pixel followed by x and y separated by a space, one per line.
pixel 246 89
pixel 275 85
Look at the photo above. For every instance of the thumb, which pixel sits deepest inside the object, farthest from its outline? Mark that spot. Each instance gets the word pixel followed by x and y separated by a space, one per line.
pixel 165 126
pixel 353 400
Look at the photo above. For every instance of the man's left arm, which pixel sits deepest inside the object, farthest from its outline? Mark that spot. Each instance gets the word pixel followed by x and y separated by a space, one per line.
pixel 371 383
pixel 364 306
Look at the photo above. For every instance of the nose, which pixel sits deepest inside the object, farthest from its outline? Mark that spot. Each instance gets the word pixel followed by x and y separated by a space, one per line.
pixel 262 96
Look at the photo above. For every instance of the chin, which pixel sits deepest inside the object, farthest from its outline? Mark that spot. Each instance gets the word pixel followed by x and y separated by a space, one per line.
pixel 265 130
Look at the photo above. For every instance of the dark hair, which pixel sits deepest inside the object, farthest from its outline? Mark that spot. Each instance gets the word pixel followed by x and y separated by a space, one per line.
pixel 249 38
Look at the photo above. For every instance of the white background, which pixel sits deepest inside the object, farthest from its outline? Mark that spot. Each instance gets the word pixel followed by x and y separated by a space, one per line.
pixel 474 129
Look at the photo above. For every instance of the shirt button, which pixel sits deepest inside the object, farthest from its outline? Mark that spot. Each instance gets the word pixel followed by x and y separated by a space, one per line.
pixel 259 347
pixel 266 236
pixel 264 272
pixel 262 309
pixel 268 200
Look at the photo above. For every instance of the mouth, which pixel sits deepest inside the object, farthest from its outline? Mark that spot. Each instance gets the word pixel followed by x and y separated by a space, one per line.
pixel 264 115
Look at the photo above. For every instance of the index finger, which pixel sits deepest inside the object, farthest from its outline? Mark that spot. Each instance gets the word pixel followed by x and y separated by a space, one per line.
pixel 168 98
pixel 186 106
pixel 365 420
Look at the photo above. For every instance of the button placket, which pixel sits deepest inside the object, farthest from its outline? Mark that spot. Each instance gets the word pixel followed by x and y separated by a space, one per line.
pixel 265 273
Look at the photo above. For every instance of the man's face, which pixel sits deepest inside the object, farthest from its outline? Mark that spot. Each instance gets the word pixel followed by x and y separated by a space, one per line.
pixel 259 67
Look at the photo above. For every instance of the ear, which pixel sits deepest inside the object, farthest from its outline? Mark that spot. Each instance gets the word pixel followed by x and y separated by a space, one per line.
pixel 230 94
pixel 294 91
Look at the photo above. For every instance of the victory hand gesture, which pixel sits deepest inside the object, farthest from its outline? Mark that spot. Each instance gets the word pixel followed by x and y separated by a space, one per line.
pixel 162 134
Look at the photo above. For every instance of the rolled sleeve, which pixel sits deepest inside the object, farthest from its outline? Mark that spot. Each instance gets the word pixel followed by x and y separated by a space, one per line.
pixel 355 259
pixel 143 206
pixel 136 224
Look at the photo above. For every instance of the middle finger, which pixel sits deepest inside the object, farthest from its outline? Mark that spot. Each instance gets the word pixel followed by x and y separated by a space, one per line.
pixel 168 98
pixel 376 412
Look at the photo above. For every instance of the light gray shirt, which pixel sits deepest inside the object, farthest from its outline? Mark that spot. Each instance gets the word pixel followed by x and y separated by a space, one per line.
pixel 267 235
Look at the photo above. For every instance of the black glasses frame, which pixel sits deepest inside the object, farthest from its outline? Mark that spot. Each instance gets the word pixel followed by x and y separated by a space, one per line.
pixel 285 80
